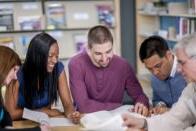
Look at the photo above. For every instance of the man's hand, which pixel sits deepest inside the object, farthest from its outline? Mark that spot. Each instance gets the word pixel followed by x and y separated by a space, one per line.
pixel 159 110
pixel 141 109
pixel 132 122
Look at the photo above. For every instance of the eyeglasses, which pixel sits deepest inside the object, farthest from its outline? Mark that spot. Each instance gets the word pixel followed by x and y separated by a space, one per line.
pixel 182 63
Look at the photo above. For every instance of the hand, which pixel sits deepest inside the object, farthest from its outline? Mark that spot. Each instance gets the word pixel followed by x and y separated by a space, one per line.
pixel 45 127
pixel 134 129
pixel 74 116
pixel 141 109
pixel 159 110
pixel 132 122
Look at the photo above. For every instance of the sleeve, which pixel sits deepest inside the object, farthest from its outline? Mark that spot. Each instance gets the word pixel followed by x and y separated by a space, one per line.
pixel 155 98
pixel 60 68
pixel 20 78
pixel 6 119
pixel 179 118
pixel 192 128
pixel 22 129
pixel 84 103
pixel 134 88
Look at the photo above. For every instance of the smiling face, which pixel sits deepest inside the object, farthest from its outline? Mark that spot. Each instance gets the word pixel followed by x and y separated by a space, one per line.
pixel 159 66
pixel 101 54
pixel 12 75
pixel 52 57
pixel 186 65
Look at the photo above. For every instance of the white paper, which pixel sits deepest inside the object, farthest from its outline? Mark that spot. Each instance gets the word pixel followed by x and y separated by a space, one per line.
pixel 41 117
pixel 106 120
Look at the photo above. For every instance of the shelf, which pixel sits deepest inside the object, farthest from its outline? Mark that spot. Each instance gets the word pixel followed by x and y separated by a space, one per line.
pixel 146 35
pixel 45 30
pixel 11 1
pixel 166 14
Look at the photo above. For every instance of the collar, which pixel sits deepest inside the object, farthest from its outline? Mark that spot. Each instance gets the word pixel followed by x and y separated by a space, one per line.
pixel 174 67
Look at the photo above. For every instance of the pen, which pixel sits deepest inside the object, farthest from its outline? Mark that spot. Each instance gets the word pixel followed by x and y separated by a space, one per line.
pixel 75 106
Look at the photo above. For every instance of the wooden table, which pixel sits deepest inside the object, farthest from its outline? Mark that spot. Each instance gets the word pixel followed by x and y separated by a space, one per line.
pixel 28 123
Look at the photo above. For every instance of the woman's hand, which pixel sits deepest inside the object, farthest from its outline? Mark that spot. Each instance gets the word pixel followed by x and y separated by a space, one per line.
pixel 74 116
pixel 45 127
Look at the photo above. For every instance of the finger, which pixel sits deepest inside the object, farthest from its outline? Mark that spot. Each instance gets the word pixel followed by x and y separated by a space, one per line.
pixel 145 111
pixel 140 110
pixel 136 107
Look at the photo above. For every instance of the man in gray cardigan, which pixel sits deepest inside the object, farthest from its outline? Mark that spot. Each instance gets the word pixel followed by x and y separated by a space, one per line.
pixel 182 116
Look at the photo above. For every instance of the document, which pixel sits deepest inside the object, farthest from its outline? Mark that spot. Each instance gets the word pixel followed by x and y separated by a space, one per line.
pixel 107 120
pixel 42 117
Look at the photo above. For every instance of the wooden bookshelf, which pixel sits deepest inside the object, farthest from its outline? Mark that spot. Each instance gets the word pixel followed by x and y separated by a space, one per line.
pixel 152 22
pixel 80 16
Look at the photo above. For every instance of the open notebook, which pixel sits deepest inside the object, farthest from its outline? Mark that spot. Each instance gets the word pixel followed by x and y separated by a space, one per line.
pixel 41 117
pixel 106 120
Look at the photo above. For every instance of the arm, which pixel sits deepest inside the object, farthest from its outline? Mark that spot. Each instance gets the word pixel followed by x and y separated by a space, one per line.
pixel 180 116
pixel 159 106
pixel 11 98
pixel 50 112
pixel 155 98
pixel 65 96
pixel 80 94
pixel 135 91
pixel 64 93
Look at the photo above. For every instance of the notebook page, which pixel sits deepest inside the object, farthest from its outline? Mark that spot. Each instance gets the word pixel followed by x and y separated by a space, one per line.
pixel 36 116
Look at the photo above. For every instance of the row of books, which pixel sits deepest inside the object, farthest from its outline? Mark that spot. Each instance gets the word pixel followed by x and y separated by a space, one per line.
pixel 186 26
pixel 55 18
pixel 20 44
pixel 192 6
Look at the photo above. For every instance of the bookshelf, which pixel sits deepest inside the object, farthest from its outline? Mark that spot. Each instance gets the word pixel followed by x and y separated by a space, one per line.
pixel 168 18
pixel 66 20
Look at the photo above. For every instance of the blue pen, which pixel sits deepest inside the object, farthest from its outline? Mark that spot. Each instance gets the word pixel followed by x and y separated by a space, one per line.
pixel 75 106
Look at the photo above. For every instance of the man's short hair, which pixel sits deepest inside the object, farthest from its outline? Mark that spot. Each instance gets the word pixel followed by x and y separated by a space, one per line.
pixel 151 46
pixel 99 35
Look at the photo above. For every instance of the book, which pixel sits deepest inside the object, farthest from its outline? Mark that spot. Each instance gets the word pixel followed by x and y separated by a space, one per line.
pixel 30 22
pixel 56 16
pixel 177 8
pixel 7 41
pixel 42 117
pixel 6 17
pixel 24 41
pixel 80 40
pixel 184 26
pixel 105 15
pixel 107 120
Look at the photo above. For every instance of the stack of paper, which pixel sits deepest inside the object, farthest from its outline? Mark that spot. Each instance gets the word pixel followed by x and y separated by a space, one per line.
pixel 41 117
pixel 107 120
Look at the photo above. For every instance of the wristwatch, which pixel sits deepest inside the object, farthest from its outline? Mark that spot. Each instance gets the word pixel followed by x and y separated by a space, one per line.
pixel 161 104
pixel 145 126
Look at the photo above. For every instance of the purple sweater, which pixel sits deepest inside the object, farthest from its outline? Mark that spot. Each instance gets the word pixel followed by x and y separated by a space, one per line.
pixel 95 89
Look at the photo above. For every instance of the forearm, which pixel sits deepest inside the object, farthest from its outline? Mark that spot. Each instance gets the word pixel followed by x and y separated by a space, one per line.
pixel 51 112
pixel 16 114
pixel 142 99
pixel 68 108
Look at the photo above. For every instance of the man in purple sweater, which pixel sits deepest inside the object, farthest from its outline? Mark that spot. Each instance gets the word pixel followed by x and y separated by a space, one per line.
pixel 98 78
